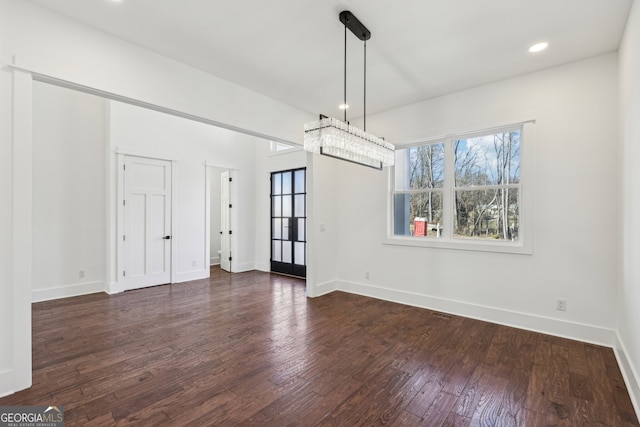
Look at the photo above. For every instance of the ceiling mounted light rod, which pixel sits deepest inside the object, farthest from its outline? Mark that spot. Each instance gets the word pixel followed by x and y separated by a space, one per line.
pixel 364 114
pixel 360 31
pixel 333 138
pixel 344 105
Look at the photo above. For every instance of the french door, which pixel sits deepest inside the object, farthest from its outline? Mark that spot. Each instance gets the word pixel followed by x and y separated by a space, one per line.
pixel 289 222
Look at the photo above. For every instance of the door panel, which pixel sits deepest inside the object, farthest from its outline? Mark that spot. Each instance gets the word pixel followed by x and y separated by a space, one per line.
pixel 159 256
pixel 135 235
pixel 147 222
pixel 288 222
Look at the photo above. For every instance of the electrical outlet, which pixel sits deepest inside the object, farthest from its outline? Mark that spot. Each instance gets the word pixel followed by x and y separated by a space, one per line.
pixel 367 275
pixel 81 274
pixel 194 263
pixel 561 305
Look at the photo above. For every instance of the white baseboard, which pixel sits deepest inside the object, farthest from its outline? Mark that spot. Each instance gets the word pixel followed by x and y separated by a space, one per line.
pixel 576 331
pixel 242 267
pixel 629 373
pixel 38 295
pixel 263 266
pixel 324 288
pixel 6 383
pixel 187 276
pixel 114 288
pixel 214 260
pixel 184 276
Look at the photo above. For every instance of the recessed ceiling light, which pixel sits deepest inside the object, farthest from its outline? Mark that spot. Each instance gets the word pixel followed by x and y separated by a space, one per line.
pixel 538 47
pixel 343 106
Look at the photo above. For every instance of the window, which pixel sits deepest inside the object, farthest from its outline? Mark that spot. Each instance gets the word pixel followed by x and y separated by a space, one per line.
pixel 280 147
pixel 463 191
pixel 418 199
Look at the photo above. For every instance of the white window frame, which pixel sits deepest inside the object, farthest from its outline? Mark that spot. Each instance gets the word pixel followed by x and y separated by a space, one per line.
pixel 524 244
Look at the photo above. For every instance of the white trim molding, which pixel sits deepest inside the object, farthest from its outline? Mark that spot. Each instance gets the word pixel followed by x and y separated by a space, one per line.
pixel 263 266
pixel 242 267
pixel 629 373
pixel 560 328
pixel 6 377
pixel 115 288
pixel 40 74
pixel 187 276
pixel 19 377
pixel 142 153
pixel 326 288
pixel 66 291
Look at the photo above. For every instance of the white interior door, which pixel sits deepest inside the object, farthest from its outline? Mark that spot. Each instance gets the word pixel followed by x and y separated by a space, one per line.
pixel 147 222
pixel 225 221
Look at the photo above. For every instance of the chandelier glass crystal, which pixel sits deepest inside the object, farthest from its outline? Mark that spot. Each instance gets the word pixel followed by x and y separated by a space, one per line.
pixel 332 137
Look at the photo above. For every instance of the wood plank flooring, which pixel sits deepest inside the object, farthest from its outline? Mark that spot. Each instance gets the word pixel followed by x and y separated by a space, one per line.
pixel 250 349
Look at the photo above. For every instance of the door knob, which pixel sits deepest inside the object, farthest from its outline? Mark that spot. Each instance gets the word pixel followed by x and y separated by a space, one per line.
pixel 167 237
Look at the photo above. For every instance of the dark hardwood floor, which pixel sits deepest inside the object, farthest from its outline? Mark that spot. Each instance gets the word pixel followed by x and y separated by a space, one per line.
pixel 251 349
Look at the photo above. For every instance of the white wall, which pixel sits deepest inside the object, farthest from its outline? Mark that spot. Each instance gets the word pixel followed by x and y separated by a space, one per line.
pixel 573 185
pixel 190 145
pixel 69 187
pixel 75 52
pixel 40 41
pixel 267 162
pixel 6 225
pixel 325 244
pixel 629 293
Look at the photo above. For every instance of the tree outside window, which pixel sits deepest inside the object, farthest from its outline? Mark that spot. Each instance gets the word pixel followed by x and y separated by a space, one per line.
pixel 460 188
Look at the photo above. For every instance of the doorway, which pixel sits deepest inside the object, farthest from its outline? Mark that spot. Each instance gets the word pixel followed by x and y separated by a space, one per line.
pixel 221 214
pixel 288 222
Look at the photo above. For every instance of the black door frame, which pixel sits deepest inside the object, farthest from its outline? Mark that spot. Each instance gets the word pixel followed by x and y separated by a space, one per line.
pixel 292 227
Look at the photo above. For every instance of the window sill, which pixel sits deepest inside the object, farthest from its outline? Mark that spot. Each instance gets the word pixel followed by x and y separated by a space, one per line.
pixel 461 244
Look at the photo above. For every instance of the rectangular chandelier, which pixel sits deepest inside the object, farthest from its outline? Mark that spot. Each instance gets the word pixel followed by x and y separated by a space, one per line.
pixel 334 138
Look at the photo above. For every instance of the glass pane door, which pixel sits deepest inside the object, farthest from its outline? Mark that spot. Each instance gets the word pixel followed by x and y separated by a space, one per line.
pixel 288 222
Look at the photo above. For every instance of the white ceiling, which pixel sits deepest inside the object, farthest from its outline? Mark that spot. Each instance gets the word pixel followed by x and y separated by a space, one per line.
pixel 292 50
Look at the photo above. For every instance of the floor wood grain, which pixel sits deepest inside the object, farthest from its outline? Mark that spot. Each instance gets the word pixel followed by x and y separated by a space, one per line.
pixel 250 349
